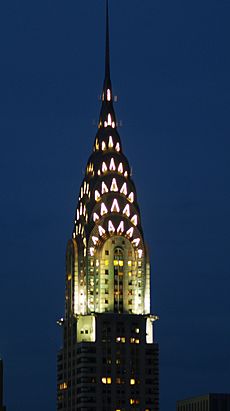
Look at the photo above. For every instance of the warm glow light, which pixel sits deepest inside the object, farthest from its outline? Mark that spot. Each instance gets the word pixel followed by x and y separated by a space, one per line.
pixel 97 195
pixel 112 166
pixel 91 251
pixel 77 214
pixel 120 228
pixel 109 120
pixel 111 228
pixel 136 242
pixel 103 209
pixel 134 219
pixel 95 217
pixel 97 144
pixel 140 252
pixel 132 381
pixel 131 197
pixel 120 168
pixel 126 174
pixel 103 146
pixel 114 185
pixel 104 167
pixel 104 188
pixel 130 232
pixel 108 94
pixel 117 148
pixel 110 142
pixel 126 210
pixel 81 209
pixel 101 230
pixel 115 206
pixel 124 189
pixel 95 240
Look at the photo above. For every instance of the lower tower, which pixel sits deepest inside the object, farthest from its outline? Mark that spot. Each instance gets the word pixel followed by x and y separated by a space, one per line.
pixel 109 359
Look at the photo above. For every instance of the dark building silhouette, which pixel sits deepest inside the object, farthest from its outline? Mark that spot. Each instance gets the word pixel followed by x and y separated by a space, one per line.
pixel 2 408
pixel 209 402
pixel 109 359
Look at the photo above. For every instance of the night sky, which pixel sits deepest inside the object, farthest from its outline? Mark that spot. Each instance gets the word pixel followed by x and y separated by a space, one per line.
pixel 170 67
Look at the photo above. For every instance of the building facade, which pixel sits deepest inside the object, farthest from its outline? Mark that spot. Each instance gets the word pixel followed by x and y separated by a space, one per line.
pixel 2 408
pixel 209 402
pixel 109 359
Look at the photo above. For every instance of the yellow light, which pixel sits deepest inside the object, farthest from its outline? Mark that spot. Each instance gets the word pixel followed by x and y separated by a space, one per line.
pixel 130 232
pixel 97 144
pixel 121 263
pixel 111 228
pixel 101 230
pixel 134 220
pixel 63 386
pixel 69 277
pixel 131 197
pixel 104 167
pixel 103 146
pixel 95 217
pixel 106 262
pixel 109 380
pixel 103 380
pixel 112 166
pixel 104 188
pixel 120 168
pixel 117 148
pixel 132 401
pixel 115 206
pixel 110 142
pixel 97 195
pixel 132 381
pixel 136 242
pixel 115 262
pixel 129 264
pixel 103 209
pixel 114 185
pixel 126 210
pixel 95 240
pixel 124 189
pixel 137 341
pixel 120 228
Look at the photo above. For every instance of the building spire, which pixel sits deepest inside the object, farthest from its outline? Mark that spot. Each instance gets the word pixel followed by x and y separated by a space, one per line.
pixel 107 46
pixel 107 114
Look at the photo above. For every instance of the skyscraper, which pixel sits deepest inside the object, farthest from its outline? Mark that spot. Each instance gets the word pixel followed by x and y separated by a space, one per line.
pixel 2 408
pixel 109 359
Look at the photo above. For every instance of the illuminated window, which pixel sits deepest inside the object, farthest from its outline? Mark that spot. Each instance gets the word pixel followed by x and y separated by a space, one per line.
pixel 137 330
pixel 95 240
pixel 134 219
pixel 136 242
pixel 112 166
pixel 117 148
pixel 104 167
pixel 104 188
pixel 132 401
pixel 132 381
pixel 109 120
pixel 77 214
pixel 140 252
pixel 108 94
pixel 81 209
pixel 120 168
pixel 103 209
pixel 103 146
pixel 101 230
pixel 111 228
pixel 120 228
pixel 130 232
pixel 97 195
pixel 129 263
pixel 110 142
pixel 63 386
pixel 124 189
pixel 114 185
pixel 97 145
pixel 106 380
pixel 131 197
pixel 95 217
pixel 115 206
pixel 126 210
pixel 126 174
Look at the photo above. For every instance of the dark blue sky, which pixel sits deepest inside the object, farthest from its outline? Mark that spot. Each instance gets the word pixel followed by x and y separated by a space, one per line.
pixel 171 71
